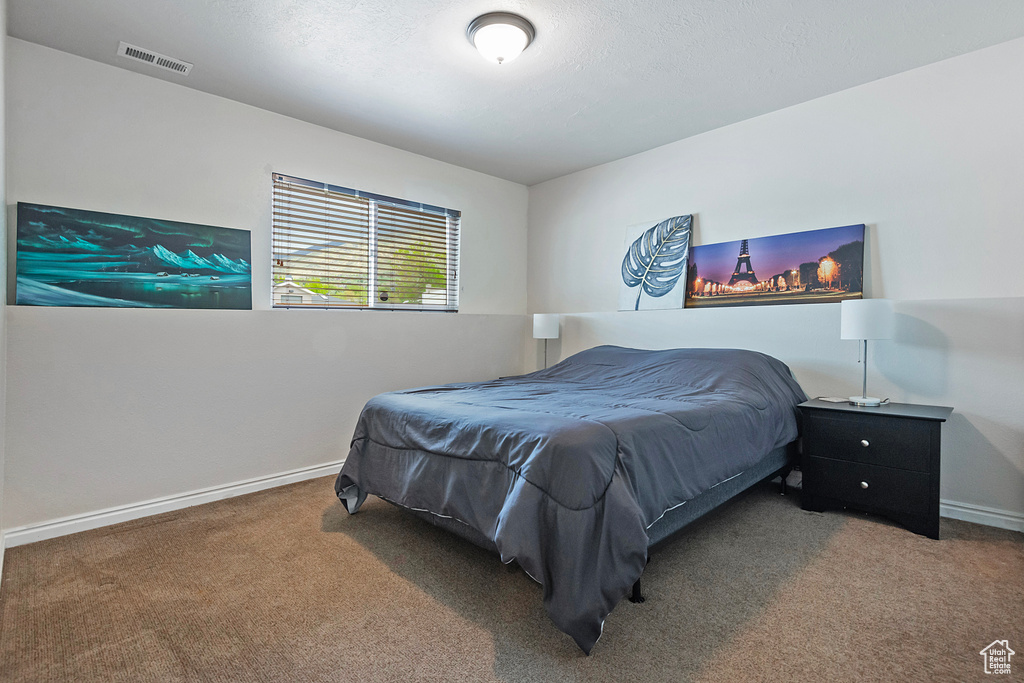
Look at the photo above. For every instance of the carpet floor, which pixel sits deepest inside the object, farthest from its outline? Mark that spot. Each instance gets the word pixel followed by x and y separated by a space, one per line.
pixel 283 585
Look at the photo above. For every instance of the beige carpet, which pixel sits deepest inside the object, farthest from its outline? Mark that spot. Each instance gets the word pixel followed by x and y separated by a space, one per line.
pixel 283 585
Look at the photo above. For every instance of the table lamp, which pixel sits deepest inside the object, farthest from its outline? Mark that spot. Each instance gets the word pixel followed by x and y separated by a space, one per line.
pixel 545 326
pixel 865 319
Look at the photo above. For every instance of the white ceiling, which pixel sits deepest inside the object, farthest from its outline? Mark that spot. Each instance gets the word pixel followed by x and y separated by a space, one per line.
pixel 604 79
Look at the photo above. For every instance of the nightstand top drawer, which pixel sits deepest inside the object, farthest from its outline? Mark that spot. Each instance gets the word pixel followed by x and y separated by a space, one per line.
pixel 898 443
pixel 896 410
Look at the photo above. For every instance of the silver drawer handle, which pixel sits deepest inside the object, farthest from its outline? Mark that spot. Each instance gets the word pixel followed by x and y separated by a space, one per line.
pixel 863 484
pixel 864 443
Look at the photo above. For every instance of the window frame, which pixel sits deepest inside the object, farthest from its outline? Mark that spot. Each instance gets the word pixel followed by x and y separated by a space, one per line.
pixel 452 239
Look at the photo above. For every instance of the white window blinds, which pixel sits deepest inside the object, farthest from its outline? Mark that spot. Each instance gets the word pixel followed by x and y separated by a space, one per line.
pixel 334 247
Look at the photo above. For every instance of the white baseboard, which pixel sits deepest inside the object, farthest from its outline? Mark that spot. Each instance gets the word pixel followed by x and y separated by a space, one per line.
pixel 979 514
pixel 42 531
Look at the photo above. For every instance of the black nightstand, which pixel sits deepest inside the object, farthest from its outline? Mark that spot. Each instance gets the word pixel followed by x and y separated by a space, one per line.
pixel 883 460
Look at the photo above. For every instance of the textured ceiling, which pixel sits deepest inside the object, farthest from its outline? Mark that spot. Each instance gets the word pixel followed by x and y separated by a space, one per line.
pixel 604 79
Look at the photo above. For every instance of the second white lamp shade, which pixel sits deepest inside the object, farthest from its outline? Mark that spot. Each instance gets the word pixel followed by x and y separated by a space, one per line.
pixel 866 319
pixel 545 325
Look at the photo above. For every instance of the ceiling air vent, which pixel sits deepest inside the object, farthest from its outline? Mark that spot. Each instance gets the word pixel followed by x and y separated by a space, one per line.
pixel 155 58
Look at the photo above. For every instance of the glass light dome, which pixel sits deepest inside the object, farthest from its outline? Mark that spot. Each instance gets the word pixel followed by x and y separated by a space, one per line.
pixel 501 36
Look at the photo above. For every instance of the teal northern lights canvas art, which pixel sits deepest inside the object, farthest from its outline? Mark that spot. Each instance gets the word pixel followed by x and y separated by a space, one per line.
pixel 73 257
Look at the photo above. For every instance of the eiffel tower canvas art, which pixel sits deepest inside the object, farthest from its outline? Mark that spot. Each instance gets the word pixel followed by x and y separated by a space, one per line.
pixel 815 266
pixel 744 271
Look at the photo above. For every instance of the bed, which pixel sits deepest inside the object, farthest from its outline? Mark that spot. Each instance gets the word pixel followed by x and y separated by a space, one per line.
pixel 575 471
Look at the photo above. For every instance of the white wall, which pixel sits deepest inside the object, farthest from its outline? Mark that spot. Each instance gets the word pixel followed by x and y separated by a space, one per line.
pixel 112 407
pixel 931 160
pixel 3 269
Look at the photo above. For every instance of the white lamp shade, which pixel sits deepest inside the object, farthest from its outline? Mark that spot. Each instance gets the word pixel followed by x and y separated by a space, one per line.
pixel 866 319
pixel 545 326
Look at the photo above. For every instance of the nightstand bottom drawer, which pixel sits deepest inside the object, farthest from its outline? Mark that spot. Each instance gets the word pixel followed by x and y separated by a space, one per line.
pixel 869 486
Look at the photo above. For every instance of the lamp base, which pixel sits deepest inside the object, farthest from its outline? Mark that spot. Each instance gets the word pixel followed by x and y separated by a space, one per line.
pixel 866 401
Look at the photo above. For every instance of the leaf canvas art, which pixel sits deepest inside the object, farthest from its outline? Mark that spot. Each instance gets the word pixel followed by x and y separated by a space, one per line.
pixel 653 270
pixel 72 257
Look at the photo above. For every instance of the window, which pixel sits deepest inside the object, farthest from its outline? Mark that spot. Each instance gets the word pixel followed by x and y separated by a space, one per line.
pixel 354 249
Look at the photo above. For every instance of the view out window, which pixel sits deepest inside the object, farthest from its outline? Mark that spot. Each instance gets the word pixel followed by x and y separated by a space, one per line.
pixel 339 248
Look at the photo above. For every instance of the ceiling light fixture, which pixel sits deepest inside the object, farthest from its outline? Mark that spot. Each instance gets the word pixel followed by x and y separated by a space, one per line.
pixel 500 36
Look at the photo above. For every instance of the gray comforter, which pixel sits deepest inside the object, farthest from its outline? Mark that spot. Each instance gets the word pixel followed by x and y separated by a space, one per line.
pixel 566 468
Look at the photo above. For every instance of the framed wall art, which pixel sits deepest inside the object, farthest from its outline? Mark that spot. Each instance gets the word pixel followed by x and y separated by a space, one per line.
pixel 73 257
pixel 816 266
pixel 653 271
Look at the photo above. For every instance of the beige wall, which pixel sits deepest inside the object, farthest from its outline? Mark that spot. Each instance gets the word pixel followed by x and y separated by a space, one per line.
pixel 931 160
pixel 3 269
pixel 114 407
